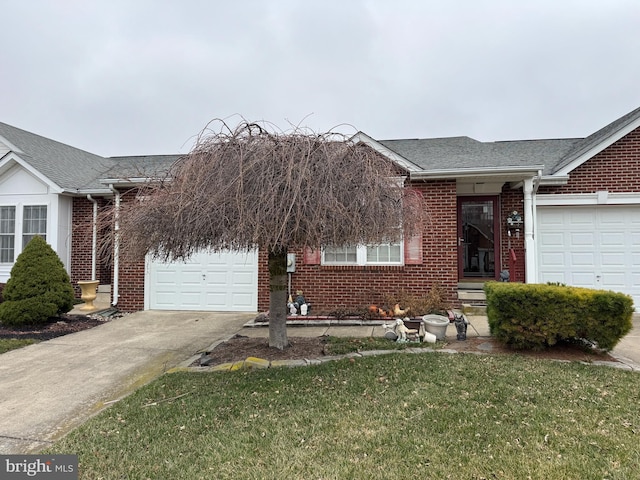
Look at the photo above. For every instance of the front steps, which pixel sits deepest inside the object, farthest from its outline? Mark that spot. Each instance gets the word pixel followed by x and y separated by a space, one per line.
pixel 472 299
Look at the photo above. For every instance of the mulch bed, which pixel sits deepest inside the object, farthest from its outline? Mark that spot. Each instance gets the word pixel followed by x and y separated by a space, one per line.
pixel 240 347
pixel 55 327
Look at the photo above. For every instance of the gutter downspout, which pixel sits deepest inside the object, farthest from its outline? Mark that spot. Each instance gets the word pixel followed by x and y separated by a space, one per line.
pixel 94 239
pixel 530 189
pixel 116 245
pixel 532 268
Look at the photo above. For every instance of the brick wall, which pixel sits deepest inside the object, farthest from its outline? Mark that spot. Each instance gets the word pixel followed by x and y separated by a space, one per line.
pixel 355 287
pixel 131 286
pixel 81 244
pixel 511 200
pixel 616 169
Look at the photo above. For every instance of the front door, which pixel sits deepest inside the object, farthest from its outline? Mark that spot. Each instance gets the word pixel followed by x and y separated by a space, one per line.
pixel 478 249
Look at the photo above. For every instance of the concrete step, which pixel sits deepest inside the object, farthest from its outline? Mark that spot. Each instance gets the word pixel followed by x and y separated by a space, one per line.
pixel 475 310
pixel 472 296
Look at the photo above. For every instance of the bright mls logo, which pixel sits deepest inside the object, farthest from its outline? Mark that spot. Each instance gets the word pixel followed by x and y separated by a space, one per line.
pixel 49 467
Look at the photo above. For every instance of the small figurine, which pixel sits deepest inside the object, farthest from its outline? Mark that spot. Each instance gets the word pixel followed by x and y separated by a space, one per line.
pixel 401 331
pixel 300 306
pixel 461 326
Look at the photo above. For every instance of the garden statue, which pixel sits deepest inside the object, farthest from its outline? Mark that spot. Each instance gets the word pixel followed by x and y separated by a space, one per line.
pixel 300 306
pixel 461 326
pixel 401 330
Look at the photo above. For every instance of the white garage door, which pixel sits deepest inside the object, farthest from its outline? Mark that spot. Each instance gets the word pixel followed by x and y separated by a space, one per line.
pixel 593 247
pixel 226 282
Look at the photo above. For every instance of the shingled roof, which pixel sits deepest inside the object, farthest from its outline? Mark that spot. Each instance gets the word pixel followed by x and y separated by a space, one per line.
pixel 76 170
pixel 464 152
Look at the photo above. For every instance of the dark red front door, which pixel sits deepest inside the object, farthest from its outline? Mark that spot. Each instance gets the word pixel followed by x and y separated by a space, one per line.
pixel 478 236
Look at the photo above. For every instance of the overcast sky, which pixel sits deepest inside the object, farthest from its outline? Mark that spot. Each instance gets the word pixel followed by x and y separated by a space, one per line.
pixel 133 77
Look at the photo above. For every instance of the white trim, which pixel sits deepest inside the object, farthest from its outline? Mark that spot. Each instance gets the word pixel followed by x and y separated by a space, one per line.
pixel 506 173
pixel 597 198
pixel 11 146
pixel 361 257
pixel 387 152
pixel 593 151
pixel 12 157
pixel 554 180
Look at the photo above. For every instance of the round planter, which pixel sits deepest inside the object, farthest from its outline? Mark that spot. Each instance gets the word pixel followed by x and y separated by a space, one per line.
pixel 436 324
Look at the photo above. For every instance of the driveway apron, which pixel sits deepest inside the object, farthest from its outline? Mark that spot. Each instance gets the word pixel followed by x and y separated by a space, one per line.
pixel 49 388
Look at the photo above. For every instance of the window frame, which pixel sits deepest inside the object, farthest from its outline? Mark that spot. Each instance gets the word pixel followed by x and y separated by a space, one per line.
pixel 10 249
pixel 361 256
pixel 37 220
pixel 18 221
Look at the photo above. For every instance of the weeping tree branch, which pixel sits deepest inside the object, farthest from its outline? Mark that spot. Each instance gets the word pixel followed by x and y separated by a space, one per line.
pixel 256 187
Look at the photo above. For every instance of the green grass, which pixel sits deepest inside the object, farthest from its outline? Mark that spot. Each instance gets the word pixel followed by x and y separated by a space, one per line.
pixel 7 344
pixel 397 416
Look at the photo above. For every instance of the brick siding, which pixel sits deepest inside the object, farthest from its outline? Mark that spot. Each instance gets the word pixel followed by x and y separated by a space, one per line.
pixel 330 287
pixel 616 169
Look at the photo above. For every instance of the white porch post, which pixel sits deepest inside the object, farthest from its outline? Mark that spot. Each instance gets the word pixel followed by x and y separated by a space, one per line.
pixel 529 243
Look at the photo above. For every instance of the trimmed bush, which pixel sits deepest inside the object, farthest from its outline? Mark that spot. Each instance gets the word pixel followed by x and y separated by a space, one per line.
pixel 536 316
pixel 38 287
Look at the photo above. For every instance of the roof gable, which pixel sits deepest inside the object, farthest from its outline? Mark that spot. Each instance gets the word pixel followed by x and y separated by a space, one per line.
pixel 66 166
pixel 597 142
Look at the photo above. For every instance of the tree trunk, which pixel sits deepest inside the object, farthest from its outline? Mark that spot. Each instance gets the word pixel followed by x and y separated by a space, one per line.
pixel 278 299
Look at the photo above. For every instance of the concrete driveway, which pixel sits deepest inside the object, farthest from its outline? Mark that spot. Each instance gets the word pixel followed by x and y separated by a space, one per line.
pixel 49 388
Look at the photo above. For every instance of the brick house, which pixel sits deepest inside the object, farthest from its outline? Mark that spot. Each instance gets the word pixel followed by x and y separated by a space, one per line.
pixel 557 210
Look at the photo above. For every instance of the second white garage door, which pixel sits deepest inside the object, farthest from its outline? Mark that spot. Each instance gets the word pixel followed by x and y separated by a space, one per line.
pixel 226 282
pixel 593 247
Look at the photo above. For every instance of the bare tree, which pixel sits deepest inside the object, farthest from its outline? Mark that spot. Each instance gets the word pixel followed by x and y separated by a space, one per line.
pixel 257 187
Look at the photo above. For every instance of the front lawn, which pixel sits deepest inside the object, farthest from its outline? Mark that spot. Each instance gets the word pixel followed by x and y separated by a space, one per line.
pixel 7 344
pixel 396 416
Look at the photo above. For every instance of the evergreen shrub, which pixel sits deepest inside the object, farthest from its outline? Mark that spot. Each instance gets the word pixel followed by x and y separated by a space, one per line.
pixel 38 287
pixel 536 316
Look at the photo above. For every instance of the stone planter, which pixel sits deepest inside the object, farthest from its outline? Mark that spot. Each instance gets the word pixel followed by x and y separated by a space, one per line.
pixel 89 289
pixel 436 324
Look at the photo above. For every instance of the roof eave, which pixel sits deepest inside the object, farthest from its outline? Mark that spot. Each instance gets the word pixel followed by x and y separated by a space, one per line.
pixel 554 180
pixel 387 152
pixel 128 182
pixel 515 172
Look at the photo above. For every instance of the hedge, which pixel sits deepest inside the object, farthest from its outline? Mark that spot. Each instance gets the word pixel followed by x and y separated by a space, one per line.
pixel 536 316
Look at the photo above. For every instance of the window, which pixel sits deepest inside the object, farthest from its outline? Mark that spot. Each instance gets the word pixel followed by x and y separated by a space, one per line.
pixel 382 254
pixel 385 253
pixel 34 222
pixel 20 222
pixel 7 234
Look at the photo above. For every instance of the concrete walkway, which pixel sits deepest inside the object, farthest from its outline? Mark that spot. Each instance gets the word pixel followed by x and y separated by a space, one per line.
pixel 49 388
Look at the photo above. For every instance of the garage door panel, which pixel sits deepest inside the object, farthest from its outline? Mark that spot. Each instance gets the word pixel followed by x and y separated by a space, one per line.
pixel 600 247
pixel 582 279
pixel 580 218
pixel 613 259
pixel 226 281
pixel 614 239
pixel 554 239
pixel 581 259
pixel 581 239
pixel 552 259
